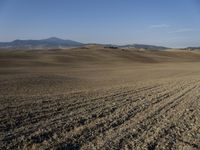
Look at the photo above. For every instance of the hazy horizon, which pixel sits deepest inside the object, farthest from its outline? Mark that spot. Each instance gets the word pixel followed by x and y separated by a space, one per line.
pixel 91 42
pixel 173 23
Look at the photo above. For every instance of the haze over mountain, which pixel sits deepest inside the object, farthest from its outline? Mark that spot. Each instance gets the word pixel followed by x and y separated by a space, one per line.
pixel 144 46
pixel 52 42
pixel 58 43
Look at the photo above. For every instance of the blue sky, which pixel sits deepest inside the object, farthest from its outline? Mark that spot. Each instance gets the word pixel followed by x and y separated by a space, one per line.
pixel 174 23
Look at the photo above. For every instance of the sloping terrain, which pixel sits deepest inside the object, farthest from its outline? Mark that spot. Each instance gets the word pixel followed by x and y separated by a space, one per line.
pixel 99 98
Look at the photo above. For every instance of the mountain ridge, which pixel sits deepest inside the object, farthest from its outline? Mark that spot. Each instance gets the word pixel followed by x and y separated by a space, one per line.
pixel 54 42
pixel 144 46
pixel 51 42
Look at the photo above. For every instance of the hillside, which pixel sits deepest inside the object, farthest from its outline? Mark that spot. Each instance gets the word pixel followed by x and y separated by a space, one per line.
pixel 95 97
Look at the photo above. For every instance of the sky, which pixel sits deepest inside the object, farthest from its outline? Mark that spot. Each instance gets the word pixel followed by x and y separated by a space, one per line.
pixel 172 23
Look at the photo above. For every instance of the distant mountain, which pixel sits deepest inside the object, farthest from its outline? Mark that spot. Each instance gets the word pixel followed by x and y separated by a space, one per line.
pixel 192 48
pixel 52 42
pixel 143 46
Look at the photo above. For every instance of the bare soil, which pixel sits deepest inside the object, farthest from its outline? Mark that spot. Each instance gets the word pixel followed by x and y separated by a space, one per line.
pixel 99 98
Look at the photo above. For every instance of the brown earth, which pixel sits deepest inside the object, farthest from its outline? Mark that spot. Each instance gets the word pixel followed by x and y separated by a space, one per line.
pixel 99 98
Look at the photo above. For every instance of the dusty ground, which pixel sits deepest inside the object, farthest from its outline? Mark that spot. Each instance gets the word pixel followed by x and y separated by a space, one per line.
pixel 97 98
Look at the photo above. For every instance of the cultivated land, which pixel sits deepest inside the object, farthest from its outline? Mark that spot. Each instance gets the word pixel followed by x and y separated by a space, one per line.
pixel 99 98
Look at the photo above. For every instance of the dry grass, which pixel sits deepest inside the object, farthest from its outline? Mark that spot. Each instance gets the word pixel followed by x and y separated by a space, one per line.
pixel 99 98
